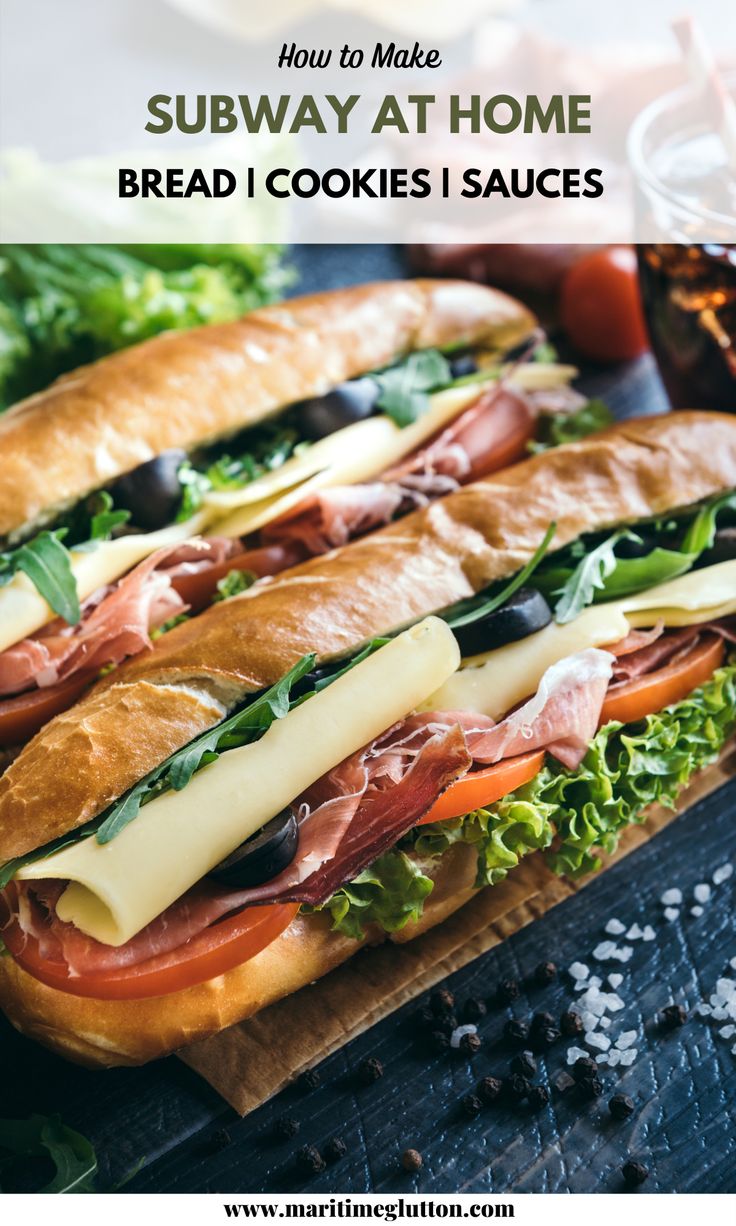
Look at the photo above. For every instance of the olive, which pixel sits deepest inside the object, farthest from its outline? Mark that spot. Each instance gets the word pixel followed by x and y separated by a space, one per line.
pixel 463 365
pixel 522 614
pixel 151 492
pixel 723 548
pixel 634 547
pixel 263 856
pixel 345 404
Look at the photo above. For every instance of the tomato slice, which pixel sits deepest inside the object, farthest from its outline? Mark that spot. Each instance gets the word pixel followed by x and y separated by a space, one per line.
pixel 214 952
pixel 198 589
pixel 633 700
pixel 484 787
pixel 22 716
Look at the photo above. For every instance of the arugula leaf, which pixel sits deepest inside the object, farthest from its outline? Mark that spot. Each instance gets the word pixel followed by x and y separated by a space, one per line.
pixel 233 583
pixel 239 729
pixel 632 575
pixel 555 429
pixel 702 531
pixel 104 520
pixel 588 577
pixel 48 565
pixel 467 611
pixel 42 1136
pixel 404 388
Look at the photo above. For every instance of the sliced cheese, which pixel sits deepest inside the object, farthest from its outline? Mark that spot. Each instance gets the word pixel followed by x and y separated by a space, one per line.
pixel 494 682
pixel 119 887
pixel 23 610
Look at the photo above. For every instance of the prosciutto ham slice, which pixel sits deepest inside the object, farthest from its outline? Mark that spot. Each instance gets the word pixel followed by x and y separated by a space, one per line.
pixel 116 621
pixel 643 651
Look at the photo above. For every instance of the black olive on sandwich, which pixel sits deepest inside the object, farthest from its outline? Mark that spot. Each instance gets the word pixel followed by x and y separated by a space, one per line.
pixel 523 614
pixel 344 405
pixel 263 856
pixel 151 492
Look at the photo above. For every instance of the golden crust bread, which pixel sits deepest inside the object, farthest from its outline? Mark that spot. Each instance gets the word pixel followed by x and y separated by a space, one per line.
pixel 187 388
pixel 331 604
pixel 112 1032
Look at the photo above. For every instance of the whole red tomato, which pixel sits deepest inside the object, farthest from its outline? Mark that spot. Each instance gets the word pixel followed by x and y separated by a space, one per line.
pixel 600 306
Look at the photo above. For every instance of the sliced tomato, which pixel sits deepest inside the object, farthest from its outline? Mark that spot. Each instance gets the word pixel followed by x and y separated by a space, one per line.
pixel 21 717
pixel 198 589
pixel 214 952
pixel 499 435
pixel 484 787
pixel 633 700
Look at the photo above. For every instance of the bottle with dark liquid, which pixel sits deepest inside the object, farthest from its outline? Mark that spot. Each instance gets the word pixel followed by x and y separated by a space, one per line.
pixel 689 294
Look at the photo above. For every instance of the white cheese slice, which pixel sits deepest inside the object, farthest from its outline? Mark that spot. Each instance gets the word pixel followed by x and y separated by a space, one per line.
pixel 119 887
pixel 492 683
pixel 23 610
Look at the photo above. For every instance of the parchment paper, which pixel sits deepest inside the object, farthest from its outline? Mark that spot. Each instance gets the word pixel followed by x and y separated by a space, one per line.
pixel 252 1061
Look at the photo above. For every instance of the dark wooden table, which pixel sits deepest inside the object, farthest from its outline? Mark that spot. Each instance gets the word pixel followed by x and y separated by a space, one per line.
pixel 166 1125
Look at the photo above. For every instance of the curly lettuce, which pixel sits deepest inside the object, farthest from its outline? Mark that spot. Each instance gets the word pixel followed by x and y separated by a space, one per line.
pixel 573 815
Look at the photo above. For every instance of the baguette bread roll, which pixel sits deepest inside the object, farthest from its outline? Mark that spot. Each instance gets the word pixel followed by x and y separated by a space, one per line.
pixel 184 389
pixel 77 764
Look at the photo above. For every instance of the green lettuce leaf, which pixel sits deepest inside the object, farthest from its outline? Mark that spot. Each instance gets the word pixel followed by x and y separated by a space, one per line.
pixel 405 388
pixel 389 893
pixel 43 1136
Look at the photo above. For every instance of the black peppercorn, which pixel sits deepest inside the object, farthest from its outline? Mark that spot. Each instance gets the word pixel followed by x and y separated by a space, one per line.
pixel 335 1149
pixel 634 1174
pixel 589 1087
pixel 584 1066
pixel 514 1089
pixel 370 1071
pixel 411 1160
pixel 489 1089
pixel 310 1079
pixel 447 1023
pixel 542 1021
pixel 545 973
pixel 621 1106
pixel 442 1001
pixel 425 1018
pixel 516 1031
pixel 544 1037
pixel 571 1023
pixel 440 1041
pixel 525 1064
pixel 507 990
pixel 538 1097
pixel 286 1127
pixel 472 1106
pixel 309 1160
pixel 474 1010
pixel 470 1044
pixel 672 1016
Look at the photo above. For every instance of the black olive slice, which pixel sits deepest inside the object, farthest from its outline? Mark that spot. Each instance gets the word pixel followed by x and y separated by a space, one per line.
pixel 463 365
pixel 344 405
pixel 523 613
pixel 263 856
pixel 151 492
pixel 722 550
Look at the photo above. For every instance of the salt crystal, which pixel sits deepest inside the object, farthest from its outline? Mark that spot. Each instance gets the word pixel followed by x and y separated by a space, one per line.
pixel 720 1015
pixel 702 892
pixel 614 1002
pixel 590 1021
pixel 614 928
pixel 580 984
pixel 605 1022
pixel 696 911
pixel 624 954
pixel 604 950
pixel 595 981
pixel 726 1031
pixel 717 1000
pixel 635 933
pixel 602 1058
pixel 578 970
pixel 722 873
pixel 671 898
pixel 732 964
pixel 458 1033
pixel 615 979
pixel 626 1039
pixel 574 1053
pixel 648 934
pixel 599 1041
pixel 628 1057
pixel 726 988
pixel 703 1009
pixel 613 1057
pixel 733 1050
pixel 671 913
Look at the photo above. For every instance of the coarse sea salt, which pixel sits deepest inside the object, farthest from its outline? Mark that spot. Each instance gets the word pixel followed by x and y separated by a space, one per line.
pixel 615 928
pixel 578 970
pixel 604 950
pixel 703 1009
pixel 615 979
pixel 623 954
pixel 574 1053
pixel 726 988
pixel 580 984
pixel 589 1020
pixel 599 1041
pixel 671 898
pixel 626 1039
pixel 726 1031
pixel 613 1057
pixel 614 1002
pixel 722 873
pixel 605 1022
pixel 702 892
pixel 635 933
pixel 595 981
pixel 458 1033
pixel 671 913
pixel 602 1058
pixel 648 934
pixel 696 911
pixel 732 964
pixel 628 1057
